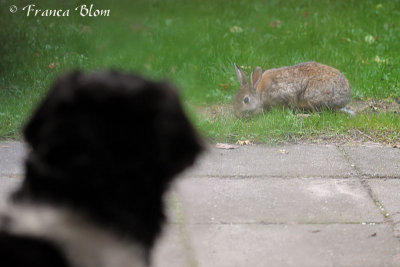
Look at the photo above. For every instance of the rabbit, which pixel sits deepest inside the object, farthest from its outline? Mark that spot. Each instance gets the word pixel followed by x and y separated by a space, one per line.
pixel 308 86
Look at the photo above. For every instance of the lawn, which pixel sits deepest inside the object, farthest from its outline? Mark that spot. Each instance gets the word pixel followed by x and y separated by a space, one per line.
pixel 194 44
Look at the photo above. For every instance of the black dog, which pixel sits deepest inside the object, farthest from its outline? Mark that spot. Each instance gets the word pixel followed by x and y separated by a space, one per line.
pixel 104 148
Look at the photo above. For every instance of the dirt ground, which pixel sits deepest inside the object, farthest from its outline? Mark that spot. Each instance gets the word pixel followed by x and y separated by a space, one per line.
pixel 369 106
pixel 375 106
pixel 358 106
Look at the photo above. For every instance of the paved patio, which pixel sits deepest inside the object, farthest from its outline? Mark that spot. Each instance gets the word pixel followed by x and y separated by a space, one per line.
pixel 294 205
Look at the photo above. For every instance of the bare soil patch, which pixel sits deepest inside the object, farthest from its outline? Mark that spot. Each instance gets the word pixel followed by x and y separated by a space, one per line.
pixel 375 106
pixel 358 106
pixel 356 137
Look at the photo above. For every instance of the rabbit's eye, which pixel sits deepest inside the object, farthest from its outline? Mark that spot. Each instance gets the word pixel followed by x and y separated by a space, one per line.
pixel 246 100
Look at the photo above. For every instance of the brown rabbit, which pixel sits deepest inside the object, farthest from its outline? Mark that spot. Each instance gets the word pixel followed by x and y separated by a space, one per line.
pixel 308 85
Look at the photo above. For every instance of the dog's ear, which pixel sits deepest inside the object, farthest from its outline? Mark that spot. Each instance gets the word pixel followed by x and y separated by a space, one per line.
pixel 38 129
pixel 178 141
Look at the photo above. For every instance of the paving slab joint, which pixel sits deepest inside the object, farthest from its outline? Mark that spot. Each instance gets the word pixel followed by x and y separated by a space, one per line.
pixel 351 162
pixel 363 178
pixel 183 232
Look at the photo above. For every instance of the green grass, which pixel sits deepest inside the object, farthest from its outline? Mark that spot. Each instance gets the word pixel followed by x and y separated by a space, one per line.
pixel 195 43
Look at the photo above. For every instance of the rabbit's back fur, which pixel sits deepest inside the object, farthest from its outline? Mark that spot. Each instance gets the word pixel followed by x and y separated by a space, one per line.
pixel 305 85
pixel 308 85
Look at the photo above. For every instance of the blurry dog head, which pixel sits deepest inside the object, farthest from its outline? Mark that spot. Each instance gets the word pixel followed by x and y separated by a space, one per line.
pixel 107 144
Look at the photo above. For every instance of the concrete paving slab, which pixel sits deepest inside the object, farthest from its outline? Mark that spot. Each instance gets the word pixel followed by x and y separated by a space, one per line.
pixel 294 245
pixel 8 185
pixel 388 193
pixel 291 160
pixel 376 161
pixel 12 157
pixel 173 207
pixel 276 200
pixel 170 250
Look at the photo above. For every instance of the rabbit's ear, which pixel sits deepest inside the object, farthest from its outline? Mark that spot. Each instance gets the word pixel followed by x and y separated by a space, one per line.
pixel 256 77
pixel 241 76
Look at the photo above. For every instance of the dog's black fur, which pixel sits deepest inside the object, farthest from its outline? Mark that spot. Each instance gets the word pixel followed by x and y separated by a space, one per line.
pixel 18 251
pixel 107 145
